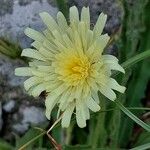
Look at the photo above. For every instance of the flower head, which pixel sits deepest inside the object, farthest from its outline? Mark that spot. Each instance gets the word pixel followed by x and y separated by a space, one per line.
pixel 67 62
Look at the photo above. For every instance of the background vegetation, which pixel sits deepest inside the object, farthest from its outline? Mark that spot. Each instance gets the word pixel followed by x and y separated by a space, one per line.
pixel 110 128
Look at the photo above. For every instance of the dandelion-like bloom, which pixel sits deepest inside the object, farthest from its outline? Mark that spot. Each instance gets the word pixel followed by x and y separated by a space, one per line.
pixel 68 64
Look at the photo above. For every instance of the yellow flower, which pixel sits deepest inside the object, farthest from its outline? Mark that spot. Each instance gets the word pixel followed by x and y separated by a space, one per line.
pixel 67 63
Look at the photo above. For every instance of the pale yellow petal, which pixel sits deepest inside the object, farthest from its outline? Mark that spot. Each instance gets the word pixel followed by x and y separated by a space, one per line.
pixel 46 53
pixel 33 34
pixel 57 36
pixel 48 34
pixel 83 31
pixel 106 91
pixel 36 44
pixel 91 104
pixel 53 85
pixel 109 58
pixel 78 43
pixel 50 46
pixel 37 90
pixel 62 21
pixel 67 41
pixel 67 116
pixel 36 63
pixel 85 16
pixel 115 86
pixel 64 100
pixel 50 103
pixel 32 53
pixel 59 90
pixel 74 14
pixel 45 68
pixel 38 73
pixel 100 25
pixel 94 95
pixel 101 42
pixel 89 38
pixel 49 21
pixel 80 115
pixel 87 112
pixel 23 71
pixel 114 66
pixel 31 82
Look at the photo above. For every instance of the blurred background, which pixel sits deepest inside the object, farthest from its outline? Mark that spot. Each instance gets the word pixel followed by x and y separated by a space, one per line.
pixel 128 25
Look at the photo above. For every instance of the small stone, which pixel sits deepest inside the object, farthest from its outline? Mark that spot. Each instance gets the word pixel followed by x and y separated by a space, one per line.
pixel 18 15
pixel 27 116
pixel 20 128
pixel 7 67
pixel 33 115
pixel 9 106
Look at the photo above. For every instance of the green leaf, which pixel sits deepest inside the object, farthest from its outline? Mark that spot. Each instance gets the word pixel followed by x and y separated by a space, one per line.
pixel 5 146
pixel 142 139
pixel 100 134
pixel 134 93
pixel 9 48
pixel 135 59
pixel 133 117
pixel 63 7
pixel 142 147
pixel 28 138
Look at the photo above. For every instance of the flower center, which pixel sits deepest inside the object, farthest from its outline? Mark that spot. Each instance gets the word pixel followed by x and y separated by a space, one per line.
pixel 72 69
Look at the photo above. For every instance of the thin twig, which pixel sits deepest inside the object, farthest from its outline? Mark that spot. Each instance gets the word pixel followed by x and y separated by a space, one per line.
pixel 54 123
pixel 28 143
pixel 56 145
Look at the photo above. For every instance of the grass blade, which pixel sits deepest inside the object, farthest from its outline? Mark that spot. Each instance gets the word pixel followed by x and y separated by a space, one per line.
pixel 136 59
pixel 133 117
pixel 142 147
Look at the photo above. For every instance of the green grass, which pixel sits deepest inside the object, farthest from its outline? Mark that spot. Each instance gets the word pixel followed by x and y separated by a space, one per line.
pixel 9 49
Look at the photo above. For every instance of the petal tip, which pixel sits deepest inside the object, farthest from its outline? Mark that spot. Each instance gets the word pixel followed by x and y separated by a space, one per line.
pixel 27 30
pixel 47 115
pixel 16 71
pixel 43 13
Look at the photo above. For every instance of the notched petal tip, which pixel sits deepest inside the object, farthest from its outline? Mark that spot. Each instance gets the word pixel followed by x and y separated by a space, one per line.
pixel 23 71
pixel 73 7
pixel 81 125
pixel 17 71
pixel 122 90
pixel 103 16
pixel 100 24
pixel 122 69
pixel 85 8
pixel 59 14
pixel 99 108
pixel 33 34
pixel 43 14
pixel 27 30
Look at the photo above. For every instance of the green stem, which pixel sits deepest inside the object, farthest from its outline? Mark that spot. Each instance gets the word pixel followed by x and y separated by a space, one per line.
pixel 100 132
pixel 69 134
